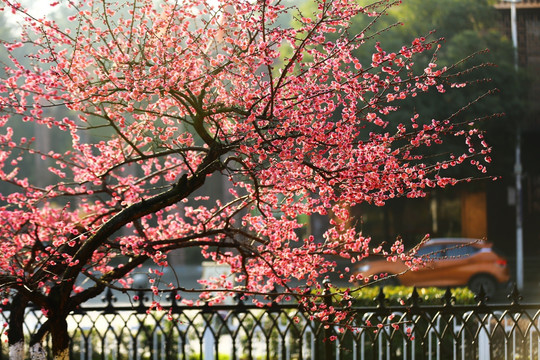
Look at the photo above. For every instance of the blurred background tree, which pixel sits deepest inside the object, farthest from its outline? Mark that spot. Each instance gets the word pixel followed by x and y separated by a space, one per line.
pixel 468 27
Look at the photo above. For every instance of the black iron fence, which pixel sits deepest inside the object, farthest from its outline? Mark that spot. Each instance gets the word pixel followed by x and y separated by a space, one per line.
pixel 242 331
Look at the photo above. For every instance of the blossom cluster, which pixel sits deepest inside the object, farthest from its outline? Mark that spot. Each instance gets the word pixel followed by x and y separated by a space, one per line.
pixel 180 91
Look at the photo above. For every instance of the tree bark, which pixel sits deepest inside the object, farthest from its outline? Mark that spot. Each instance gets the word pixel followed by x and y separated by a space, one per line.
pixel 16 333
pixel 59 338
pixel 56 327
pixel 37 352
pixel 16 351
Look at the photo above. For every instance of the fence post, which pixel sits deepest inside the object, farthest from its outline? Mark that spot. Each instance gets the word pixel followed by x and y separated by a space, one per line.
pixel 328 332
pixel 209 340
pixel 484 341
pixel 209 343
pixel 484 345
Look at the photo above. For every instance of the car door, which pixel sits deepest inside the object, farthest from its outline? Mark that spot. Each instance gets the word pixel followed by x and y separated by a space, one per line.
pixel 431 270
pixel 448 265
pixel 460 264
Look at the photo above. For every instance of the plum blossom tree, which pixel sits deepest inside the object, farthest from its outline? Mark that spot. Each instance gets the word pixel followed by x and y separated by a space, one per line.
pixel 183 90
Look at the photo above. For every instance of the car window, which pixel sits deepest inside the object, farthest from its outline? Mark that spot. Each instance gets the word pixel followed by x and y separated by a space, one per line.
pixel 459 251
pixel 431 251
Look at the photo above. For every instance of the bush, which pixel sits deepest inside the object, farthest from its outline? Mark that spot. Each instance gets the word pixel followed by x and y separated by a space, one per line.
pixel 398 295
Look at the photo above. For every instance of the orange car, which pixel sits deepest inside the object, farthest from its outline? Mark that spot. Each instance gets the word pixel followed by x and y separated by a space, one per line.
pixel 447 262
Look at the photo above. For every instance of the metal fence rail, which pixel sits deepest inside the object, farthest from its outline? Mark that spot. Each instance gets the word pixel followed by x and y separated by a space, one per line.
pixel 241 331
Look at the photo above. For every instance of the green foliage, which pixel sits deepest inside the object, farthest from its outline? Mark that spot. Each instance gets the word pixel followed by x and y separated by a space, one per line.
pixel 199 356
pixel 396 295
pixel 468 27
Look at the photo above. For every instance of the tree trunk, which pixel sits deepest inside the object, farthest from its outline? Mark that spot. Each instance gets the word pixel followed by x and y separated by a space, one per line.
pixel 56 327
pixel 63 355
pixel 15 333
pixel 16 351
pixel 59 338
pixel 37 352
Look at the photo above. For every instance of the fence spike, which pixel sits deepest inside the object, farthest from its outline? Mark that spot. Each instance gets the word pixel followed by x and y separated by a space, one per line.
pixel 381 299
pixel 414 302
pixel 481 297
pixel 272 296
pixel 141 297
pixel 415 298
pixel 448 298
pixel 206 308
pixel 174 304
pixel 515 296
pixel 109 299
pixel 238 297
pixel 240 305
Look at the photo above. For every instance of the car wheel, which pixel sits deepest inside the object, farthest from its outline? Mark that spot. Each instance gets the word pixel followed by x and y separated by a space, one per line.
pixel 483 281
